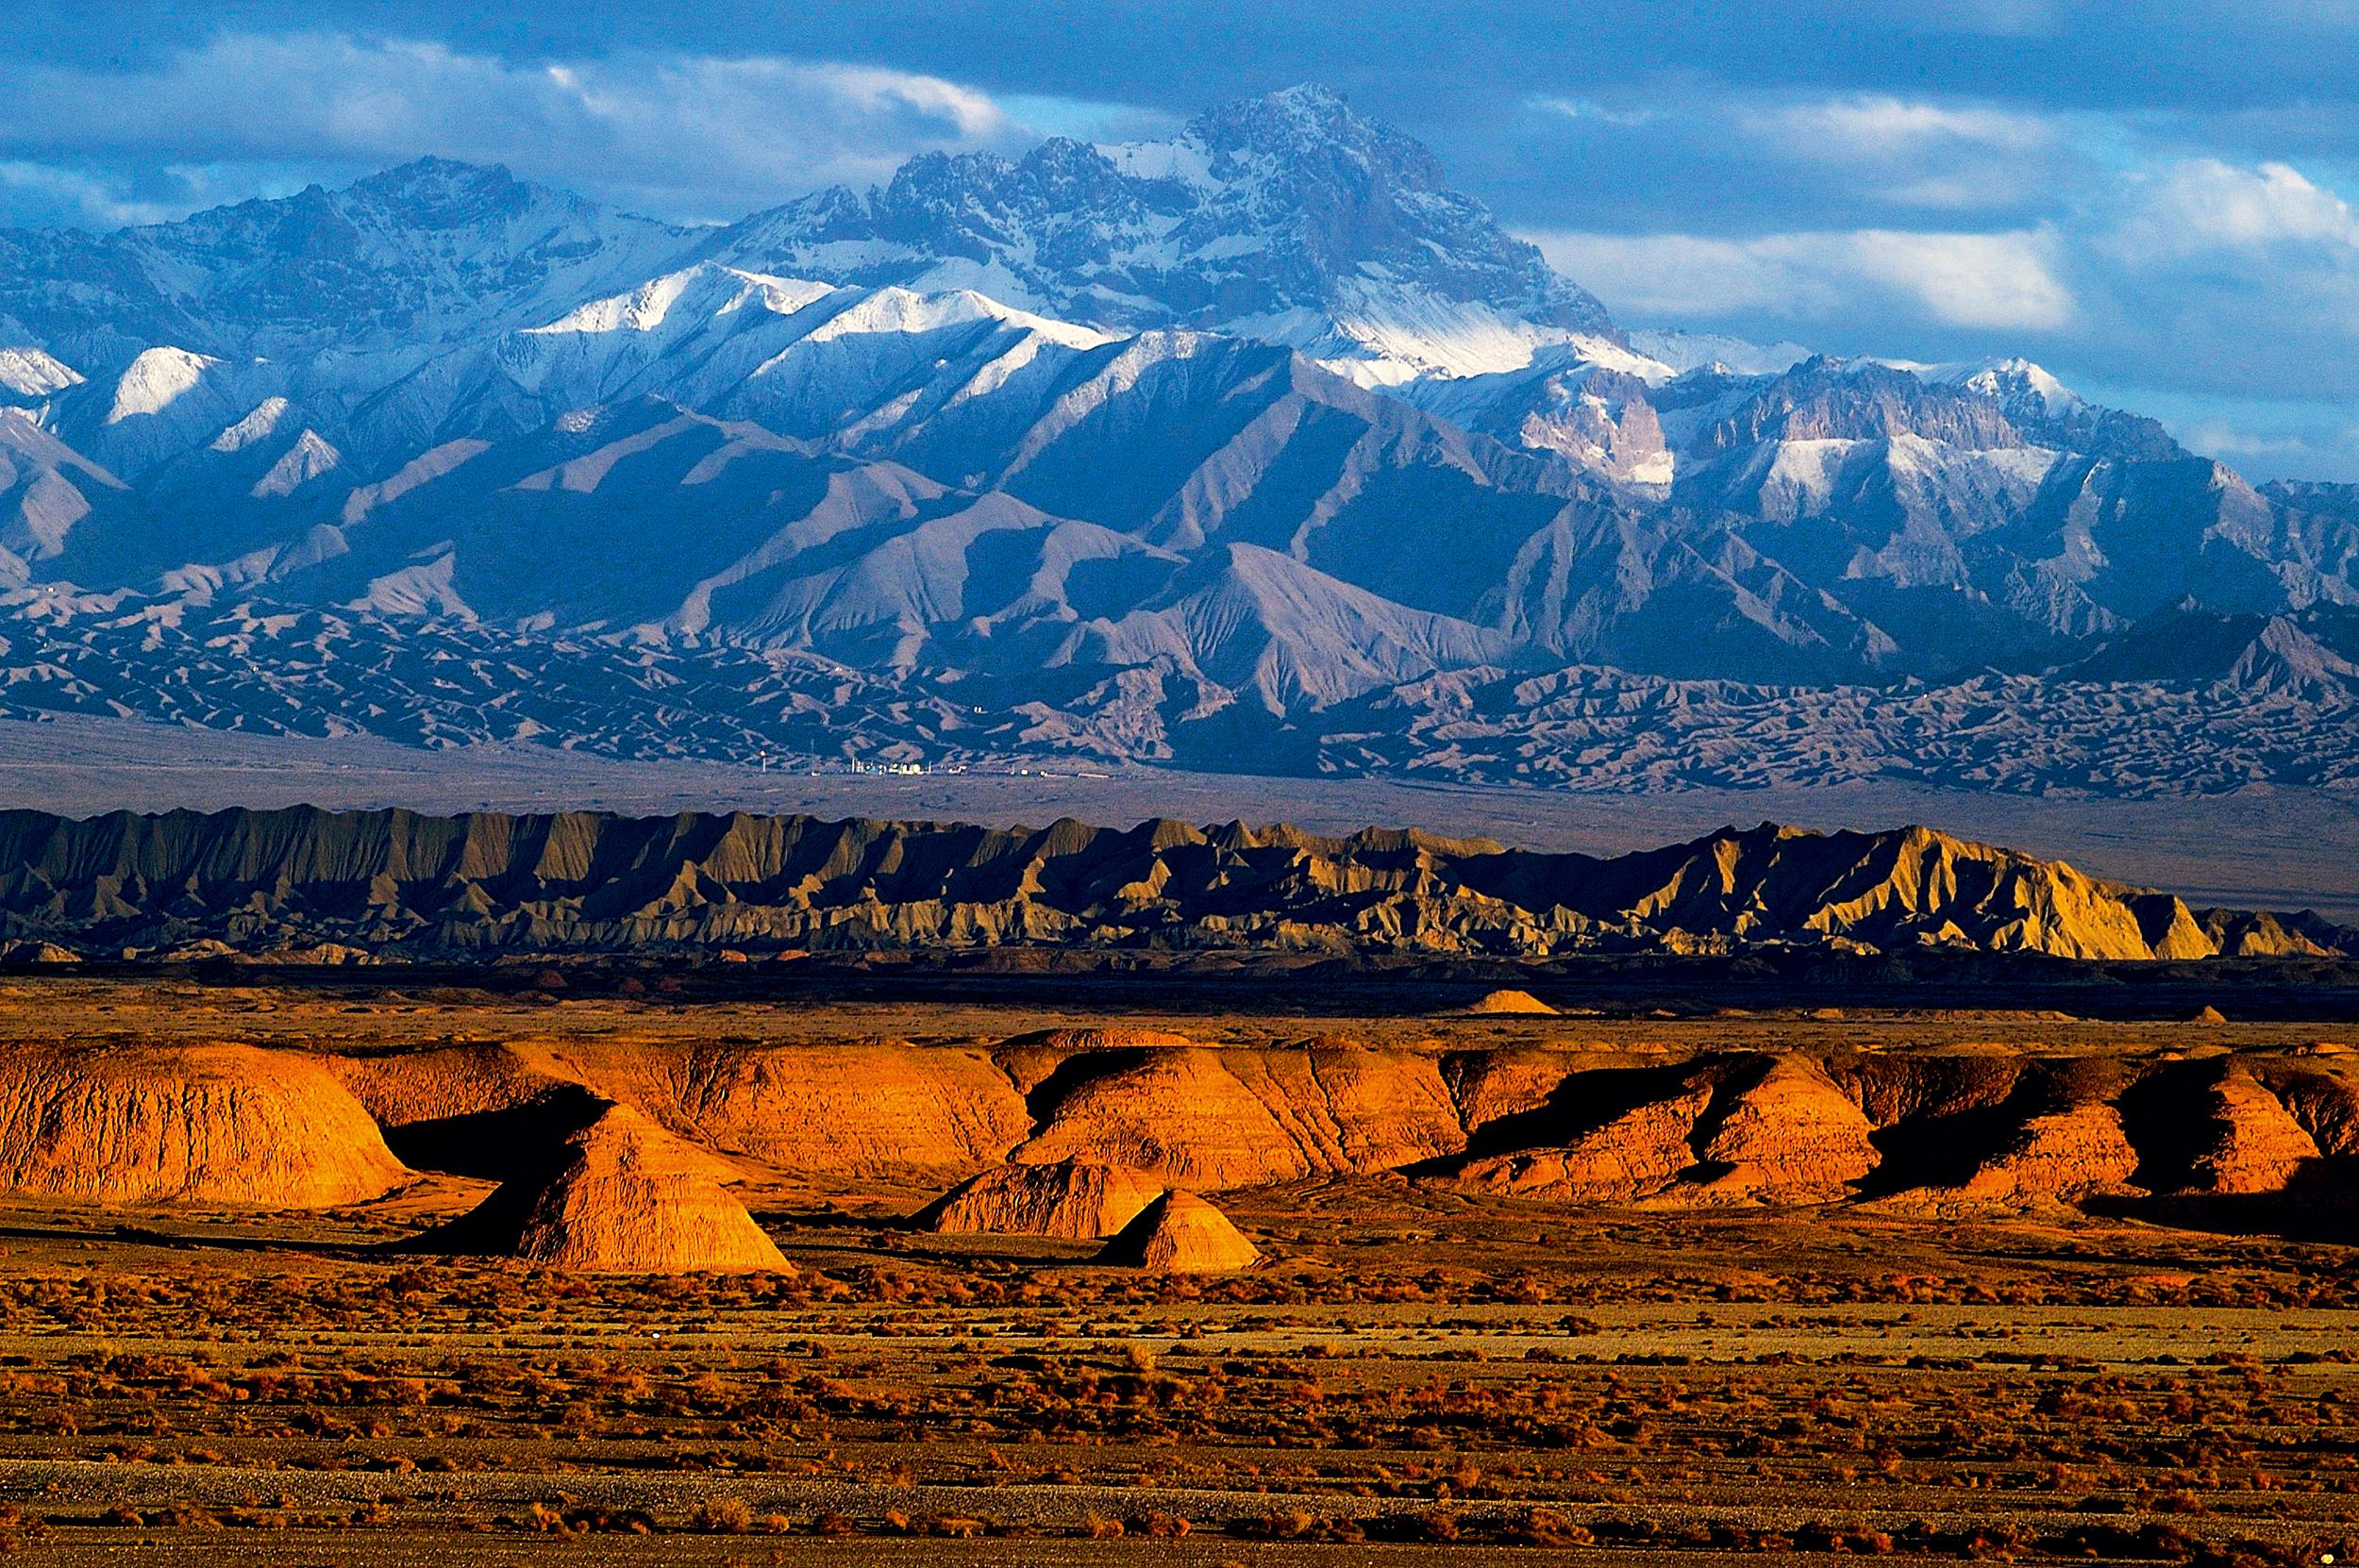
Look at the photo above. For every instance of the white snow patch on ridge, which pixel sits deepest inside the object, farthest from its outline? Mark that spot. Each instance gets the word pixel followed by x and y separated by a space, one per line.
pixel 306 460
pixel 254 426
pixel 649 305
pixel 31 373
pixel 156 379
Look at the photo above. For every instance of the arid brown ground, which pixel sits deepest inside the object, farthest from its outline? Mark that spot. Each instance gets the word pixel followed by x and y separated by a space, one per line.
pixel 1420 1366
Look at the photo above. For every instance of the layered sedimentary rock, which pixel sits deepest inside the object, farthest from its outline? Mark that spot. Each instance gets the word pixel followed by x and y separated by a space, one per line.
pixel 1079 1199
pixel 1635 1154
pixel 1180 1233
pixel 1788 1136
pixel 1770 1131
pixel 2322 1094
pixel 1511 1080
pixel 448 1083
pixel 1221 1118
pixel 885 1109
pixel 397 884
pixel 209 1124
pixel 625 1147
pixel 2061 1155
pixel 621 1195
pixel 2254 1145
pixel 862 1109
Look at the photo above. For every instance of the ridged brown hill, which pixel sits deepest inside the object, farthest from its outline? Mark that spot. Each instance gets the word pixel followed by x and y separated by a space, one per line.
pixel 399 884
pixel 204 1123
pixel 620 1195
pixel 1066 1132
pixel 1081 1199
pixel 1180 1233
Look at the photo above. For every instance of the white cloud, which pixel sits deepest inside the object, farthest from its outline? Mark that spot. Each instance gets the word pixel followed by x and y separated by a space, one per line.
pixel 1976 280
pixel 2246 274
pixel 1586 109
pixel 2240 279
pixel 2262 443
pixel 71 196
pixel 1876 126
pixel 2204 205
pixel 1915 153
pixel 2004 280
pixel 689 136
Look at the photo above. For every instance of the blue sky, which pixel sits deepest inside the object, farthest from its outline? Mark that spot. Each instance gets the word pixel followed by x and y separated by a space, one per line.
pixel 2155 199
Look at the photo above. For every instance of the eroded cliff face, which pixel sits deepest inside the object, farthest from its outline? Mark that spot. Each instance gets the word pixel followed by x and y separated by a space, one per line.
pixel 1079 1199
pixel 203 1124
pixel 1071 1132
pixel 1229 1118
pixel 1638 1153
pixel 2251 1143
pixel 2062 1155
pixel 301 882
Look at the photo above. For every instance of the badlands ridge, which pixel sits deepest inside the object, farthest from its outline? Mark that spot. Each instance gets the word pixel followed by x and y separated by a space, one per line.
pixel 308 885
pixel 636 1154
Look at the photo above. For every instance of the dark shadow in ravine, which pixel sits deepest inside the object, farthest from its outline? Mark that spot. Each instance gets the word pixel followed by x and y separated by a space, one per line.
pixel 1583 1102
pixel 497 1146
pixel 2320 1203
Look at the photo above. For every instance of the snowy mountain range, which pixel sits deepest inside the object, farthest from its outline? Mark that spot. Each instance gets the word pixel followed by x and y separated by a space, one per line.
pixel 1206 443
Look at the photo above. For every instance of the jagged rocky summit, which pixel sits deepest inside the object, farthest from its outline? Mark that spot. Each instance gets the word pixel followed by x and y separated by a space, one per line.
pixel 397 884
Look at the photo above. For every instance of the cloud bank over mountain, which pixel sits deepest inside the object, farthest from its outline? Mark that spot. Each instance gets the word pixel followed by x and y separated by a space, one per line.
pixel 2121 191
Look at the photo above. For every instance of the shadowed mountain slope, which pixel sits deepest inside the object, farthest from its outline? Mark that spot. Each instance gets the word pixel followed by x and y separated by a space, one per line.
pixel 1259 447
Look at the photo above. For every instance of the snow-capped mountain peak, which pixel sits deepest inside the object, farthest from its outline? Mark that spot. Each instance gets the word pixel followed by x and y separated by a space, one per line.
pixel 1289 218
pixel 706 289
pixel 309 458
pixel 430 252
pixel 1681 352
pixel 2013 380
pixel 155 380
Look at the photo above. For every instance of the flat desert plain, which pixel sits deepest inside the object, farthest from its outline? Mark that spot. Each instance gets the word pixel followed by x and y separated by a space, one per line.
pixel 593 1266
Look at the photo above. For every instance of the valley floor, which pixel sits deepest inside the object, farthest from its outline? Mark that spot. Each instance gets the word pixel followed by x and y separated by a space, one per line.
pixel 1416 1371
pixel 1408 1379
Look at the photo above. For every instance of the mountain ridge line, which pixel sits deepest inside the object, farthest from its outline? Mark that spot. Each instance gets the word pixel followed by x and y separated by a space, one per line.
pixel 400 883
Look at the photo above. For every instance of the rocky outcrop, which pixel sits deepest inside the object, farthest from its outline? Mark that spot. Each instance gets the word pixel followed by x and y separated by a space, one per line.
pixel 1788 1136
pixel 620 1195
pixel 1221 1118
pixel 30 953
pixel 1637 1155
pixel 2254 1145
pixel 1180 1233
pixel 2062 1155
pixel 199 1123
pixel 1508 1002
pixel 1079 1199
pixel 397 884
